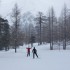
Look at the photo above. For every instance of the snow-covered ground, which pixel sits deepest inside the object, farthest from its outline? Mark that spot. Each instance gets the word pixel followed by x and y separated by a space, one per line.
pixel 48 60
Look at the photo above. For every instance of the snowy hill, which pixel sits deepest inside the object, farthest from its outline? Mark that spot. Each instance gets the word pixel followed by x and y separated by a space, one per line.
pixel 48 60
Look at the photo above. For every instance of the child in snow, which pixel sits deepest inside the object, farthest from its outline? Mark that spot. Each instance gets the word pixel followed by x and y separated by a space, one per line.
pixel 34 52
pixel 28 51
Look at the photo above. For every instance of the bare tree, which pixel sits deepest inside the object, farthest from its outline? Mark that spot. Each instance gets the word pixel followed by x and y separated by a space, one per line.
pixel 52 22
pixel 65 26
pixel 40 19
pixel 16 20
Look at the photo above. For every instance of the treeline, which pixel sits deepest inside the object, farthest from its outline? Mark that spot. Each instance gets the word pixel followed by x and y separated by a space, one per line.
pixel 4 34
pixel 42 28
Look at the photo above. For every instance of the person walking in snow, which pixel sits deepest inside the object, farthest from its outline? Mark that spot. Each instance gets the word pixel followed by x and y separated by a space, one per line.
pixel 28 51
pixel 34 52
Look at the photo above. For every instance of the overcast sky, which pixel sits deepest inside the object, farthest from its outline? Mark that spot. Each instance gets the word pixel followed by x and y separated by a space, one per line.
pixel 32 5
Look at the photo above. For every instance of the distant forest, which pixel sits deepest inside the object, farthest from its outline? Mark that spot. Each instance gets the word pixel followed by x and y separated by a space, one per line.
pixel 41 28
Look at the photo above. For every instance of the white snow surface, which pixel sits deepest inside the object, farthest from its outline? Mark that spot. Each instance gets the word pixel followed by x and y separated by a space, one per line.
pixel 48 60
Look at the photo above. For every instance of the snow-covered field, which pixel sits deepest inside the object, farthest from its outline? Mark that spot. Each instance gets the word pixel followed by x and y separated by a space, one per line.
pixel 48 60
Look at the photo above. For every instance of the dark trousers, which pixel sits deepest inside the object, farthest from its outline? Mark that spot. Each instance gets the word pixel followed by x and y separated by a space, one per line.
pixel 28 54
pixel 34 55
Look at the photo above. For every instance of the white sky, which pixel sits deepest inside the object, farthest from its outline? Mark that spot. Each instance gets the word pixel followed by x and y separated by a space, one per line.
pixel 32 5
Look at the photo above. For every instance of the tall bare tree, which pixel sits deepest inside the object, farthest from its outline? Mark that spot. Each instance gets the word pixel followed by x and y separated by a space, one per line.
pixel 64 26
pixel 51 25
pixel 16 22
pixel 40 19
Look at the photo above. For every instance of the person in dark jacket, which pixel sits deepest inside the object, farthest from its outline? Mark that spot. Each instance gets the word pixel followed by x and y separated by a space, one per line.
pixel 34 52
